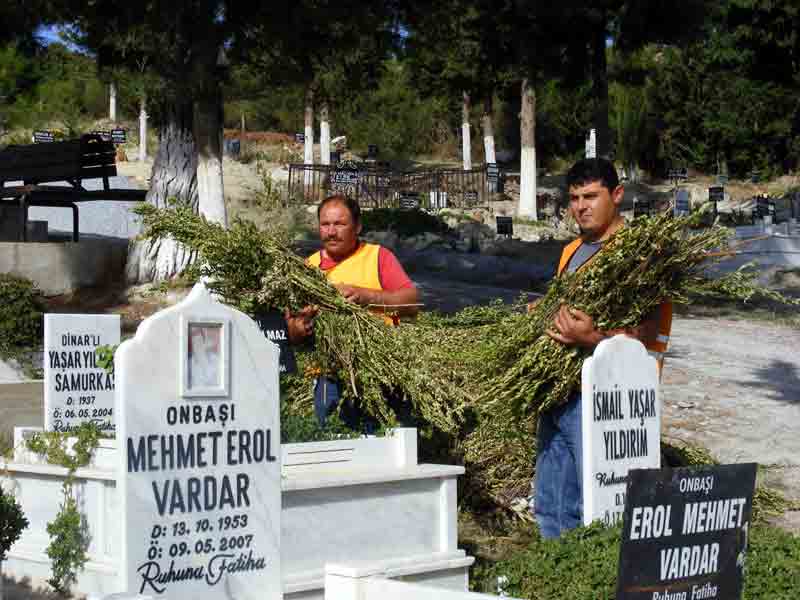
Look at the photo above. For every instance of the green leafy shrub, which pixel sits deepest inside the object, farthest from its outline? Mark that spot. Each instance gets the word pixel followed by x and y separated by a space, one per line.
pixel 21 310
pixel 583 565
pixel 69 540
pixel 12 522
pixel 405 223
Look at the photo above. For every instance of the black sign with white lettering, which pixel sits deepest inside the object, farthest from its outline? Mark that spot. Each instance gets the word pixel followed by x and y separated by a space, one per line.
pixel 300 138
pixel 119 136
pixel 43 137
pixel 716 194
pixel 104 134
pixel 409 201
pixel 684 533
pixel 679 174
pixel 274 326
pixel 505 226
pixel 492 172
pixel 372 152
pixel 682 202
pixel 470 197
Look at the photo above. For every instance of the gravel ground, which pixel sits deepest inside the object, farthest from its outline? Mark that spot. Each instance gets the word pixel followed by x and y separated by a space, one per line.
pixel 733 387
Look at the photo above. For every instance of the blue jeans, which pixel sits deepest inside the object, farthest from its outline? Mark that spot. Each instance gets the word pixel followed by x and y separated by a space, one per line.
pixel 327 398
pixel 558 504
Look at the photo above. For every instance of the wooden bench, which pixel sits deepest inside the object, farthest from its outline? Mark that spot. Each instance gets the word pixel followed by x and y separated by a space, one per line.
pixel 73 161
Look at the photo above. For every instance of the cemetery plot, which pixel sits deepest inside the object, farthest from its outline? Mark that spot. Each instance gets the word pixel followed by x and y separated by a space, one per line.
pixel 199 456
pixel 621 424
pixel 685 533
pixel 78 390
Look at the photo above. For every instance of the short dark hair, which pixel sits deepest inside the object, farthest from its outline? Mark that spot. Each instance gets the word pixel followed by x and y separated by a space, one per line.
pixel 589 170
pixel 350 204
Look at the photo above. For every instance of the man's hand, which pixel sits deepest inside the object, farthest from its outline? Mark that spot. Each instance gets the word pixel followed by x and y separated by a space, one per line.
pixel 573 327
pixel 301 323
pixel 358 295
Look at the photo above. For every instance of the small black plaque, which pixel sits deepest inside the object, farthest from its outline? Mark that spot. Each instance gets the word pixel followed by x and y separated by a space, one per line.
pixel 300 138
pixel 409 201
pixel 104 134
pixel 43 137
pixel 274 326
pixel 716 193
pixel 505 226
pixel 119 136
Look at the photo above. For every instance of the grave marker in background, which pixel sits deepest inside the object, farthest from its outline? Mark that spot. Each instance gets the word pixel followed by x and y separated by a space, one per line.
pixel 119 136
pixel 199 476
pixel 76 389
pixel 591 144
pixel 276 330
pixel 685 532
pixel 621 424
pixel 104 134
pixel 681 202
pixel 43 137
pixel 409 201
pixel 505 225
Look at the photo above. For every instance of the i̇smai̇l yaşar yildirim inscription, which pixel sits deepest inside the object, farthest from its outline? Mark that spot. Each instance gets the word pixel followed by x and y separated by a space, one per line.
pixel 197 393
pixel 621 424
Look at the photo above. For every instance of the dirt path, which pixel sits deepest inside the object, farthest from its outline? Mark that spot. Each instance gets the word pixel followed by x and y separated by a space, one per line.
pixel 733 387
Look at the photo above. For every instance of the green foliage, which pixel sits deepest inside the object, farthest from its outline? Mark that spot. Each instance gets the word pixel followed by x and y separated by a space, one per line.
pixel 68 543
pixel 105 357
pixel 54 448
pixel 68 538
pixel 297 428
pixel 395 116
pixel 254 270
pixel 57 88
pixel 21 309
pixel 583 565
pixel 405 223
pixel 12 522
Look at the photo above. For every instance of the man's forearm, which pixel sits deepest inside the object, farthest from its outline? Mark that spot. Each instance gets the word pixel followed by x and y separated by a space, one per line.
pixel 396 298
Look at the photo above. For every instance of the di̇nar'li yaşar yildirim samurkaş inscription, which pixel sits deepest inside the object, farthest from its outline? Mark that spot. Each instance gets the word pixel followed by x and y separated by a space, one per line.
pixel 77 389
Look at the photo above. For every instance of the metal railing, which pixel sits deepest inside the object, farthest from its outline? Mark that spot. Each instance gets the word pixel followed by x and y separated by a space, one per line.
pixel 375 185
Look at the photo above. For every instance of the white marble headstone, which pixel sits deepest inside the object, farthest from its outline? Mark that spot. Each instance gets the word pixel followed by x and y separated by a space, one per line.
pixel 76 389
pixel 200 475
pixel 621 424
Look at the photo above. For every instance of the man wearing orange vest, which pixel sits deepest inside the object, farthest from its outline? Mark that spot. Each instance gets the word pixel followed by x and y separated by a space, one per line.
pixel 367 274
pixel 595 196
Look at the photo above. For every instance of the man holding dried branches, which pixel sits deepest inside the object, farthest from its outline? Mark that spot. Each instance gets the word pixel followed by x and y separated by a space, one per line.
pixel 366 274
pixel 595 196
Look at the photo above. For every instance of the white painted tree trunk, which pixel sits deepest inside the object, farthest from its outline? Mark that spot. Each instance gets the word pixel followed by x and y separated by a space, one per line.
pixel 112 101
pixel 527 170
pixel 174 175
pixel 324 134
pixel 308 148
pixel 488 132
pixel 466 138
pixel 208 136
pixel 142 130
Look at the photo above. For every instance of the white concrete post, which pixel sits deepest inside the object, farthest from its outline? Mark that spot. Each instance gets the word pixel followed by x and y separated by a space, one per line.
pixel 324 135
pixel 142 131
pixel 112 101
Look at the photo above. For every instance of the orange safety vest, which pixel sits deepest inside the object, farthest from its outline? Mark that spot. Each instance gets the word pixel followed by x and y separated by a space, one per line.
pixel 656 348
pixel 359 269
